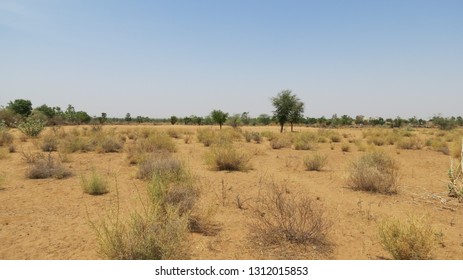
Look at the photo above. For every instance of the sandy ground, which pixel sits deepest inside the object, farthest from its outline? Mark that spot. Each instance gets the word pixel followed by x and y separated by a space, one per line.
pixel 52 219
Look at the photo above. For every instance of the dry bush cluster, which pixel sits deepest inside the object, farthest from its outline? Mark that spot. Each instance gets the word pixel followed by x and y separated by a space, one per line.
pixel 43 167
pixel 410 240
pixel 280 217
pixel 160 164
pixel 374 172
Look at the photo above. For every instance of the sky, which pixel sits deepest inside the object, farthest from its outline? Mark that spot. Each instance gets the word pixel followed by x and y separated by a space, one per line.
pixel 163 58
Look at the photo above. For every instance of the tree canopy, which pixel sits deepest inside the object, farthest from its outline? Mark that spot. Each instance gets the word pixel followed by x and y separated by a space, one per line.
pixel 288 108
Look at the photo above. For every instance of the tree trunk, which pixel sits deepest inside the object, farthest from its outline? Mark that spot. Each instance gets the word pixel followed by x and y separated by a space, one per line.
pixel 220 125
pixel 291 127
pixel 281 127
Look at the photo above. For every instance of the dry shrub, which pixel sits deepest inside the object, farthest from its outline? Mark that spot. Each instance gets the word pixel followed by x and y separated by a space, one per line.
pixel 280 141
pixel 412 240
pixel 305 141
pixel 374 172
pixel 252 136
pixel 95 184
pixel 410 143
pixel 381 136
pixel 5 137
pixel 109 144
pixel 49 143
pixel 174 133
pixel 206 136
pixel 455 185
pixel 227 157
pixel 281 217
pixel 345 148
pixel 456 150
pixel 154 234
pixel 160 164
pixel 438 145
pixel 74 143
pixel 153 143
pixel 42 168
pixel 315 162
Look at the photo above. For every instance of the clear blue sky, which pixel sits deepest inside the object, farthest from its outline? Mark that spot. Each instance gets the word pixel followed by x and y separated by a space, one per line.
pixel 162 58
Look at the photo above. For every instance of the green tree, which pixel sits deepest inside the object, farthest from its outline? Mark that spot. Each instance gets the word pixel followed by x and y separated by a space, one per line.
pixel 173 120
pixel 264 119
pixel 219 117
pixel 21 106
pixel 82 117
pixel 46 110
pixel 288 108
pixel 128 117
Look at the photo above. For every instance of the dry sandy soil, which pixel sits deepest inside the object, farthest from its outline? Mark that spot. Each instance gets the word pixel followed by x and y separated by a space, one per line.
pixel 51 218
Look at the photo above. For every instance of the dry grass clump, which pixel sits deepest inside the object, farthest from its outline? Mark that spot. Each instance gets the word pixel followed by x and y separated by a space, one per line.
pixel 42 168
pixel 315 162
pixel 410 143
pixel 153 143
pixel 73 143
pixel 305 141
pixel 206 136
pixel 438 145
pixel 281 141
pixel 49 143
pixel 109 144
pixel 155 234
pixel 281 217
pixel 374 172
pixel 227 157
pixel 381 136
pixel 160 164
pixel 253 136
pixel 455 185
pixel 410 240
pixel 95 184
pixel 345 148
pixel 327 134
pixel 5 137
pixel 456 149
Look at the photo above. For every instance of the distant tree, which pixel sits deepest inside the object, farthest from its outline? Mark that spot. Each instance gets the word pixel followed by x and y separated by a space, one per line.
pixel 70 114
pixel 245 119
pixel 288 107
pixel 187 120
pixel 46 110
pixel 128 117
pixel 234 120
pixel 82 117
pixel 173 120
pixel 196 120
pixel 296 115
pixel 21 106
pixel 139 119
pixel 103 118
pixel 264 119
pixel 219 117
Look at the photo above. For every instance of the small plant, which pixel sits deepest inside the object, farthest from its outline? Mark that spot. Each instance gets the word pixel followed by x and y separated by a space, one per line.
pixel 315 162
pixel 410 143
pixel 375 172
pixel 5 137
pixel 412 240
pixel 94 184
pixel 206 136
pixel 280 141
pixel 226 157
pixel 31 127
pixel 345 148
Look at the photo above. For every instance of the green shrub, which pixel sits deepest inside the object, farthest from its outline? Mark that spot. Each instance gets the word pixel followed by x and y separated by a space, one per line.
pixel 315 162
pixel 31 127
pixel 95 184
pixel 412 240
pixel 375 172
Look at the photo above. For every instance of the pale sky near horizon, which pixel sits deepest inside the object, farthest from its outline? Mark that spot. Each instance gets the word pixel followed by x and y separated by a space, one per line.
pixel 162 58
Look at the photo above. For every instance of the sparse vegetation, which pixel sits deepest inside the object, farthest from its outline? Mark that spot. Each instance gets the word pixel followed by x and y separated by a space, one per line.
pixel 410 240
pixel 374 172
pixel 31 127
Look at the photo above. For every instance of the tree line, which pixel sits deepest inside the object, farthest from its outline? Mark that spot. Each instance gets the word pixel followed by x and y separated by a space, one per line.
pixel 288 109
